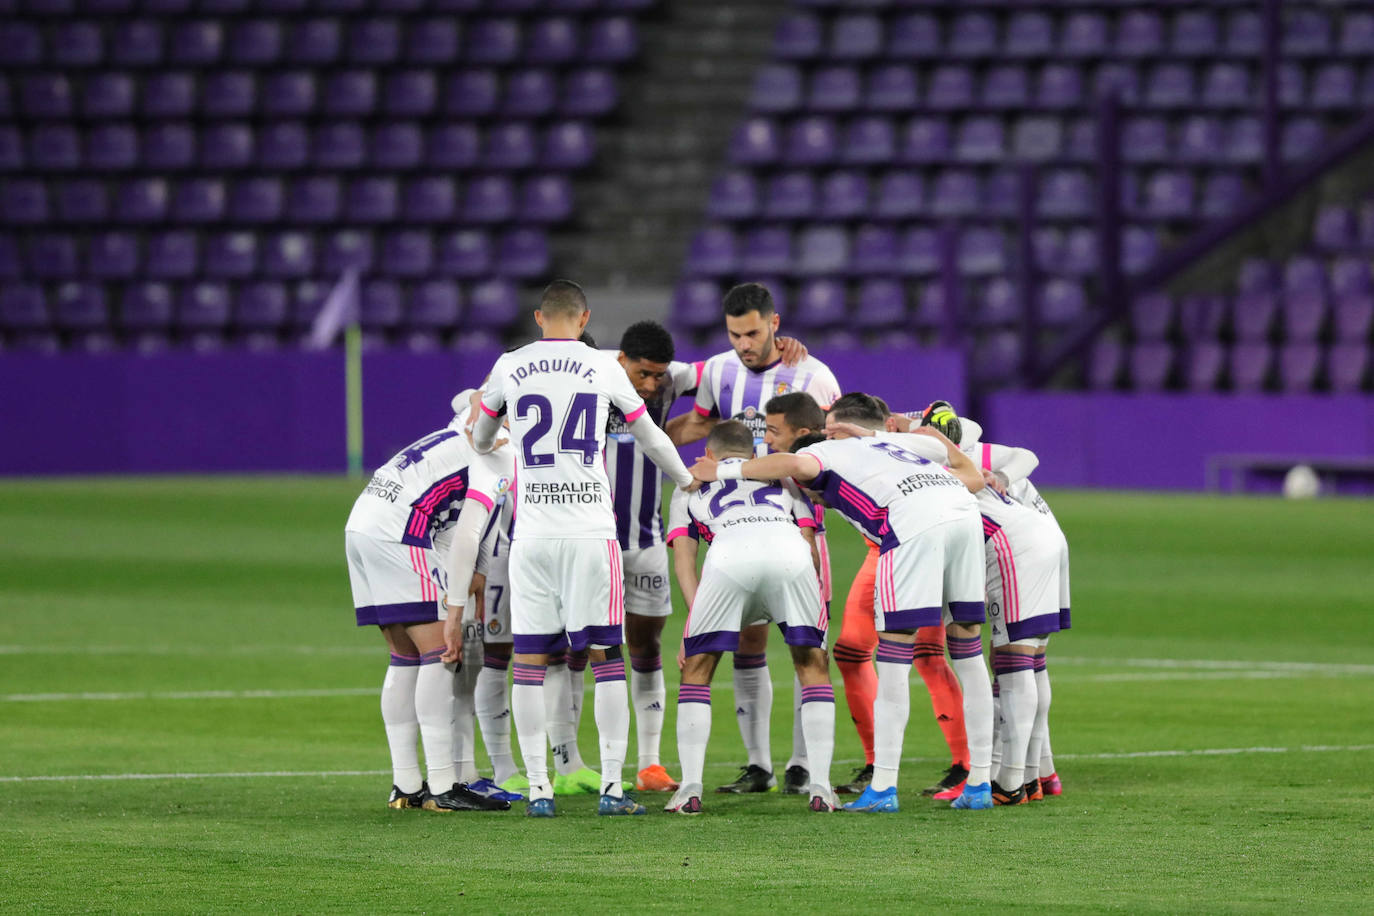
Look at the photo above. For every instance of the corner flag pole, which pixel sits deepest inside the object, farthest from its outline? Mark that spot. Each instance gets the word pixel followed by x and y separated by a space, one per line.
pixel 353 387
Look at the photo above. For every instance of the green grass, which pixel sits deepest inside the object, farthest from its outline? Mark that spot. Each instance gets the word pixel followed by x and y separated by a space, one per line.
pixel 167 585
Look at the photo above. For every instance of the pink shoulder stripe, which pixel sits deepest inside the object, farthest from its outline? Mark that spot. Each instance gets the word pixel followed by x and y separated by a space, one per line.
pixel 482 498
pixel 675 534
pixel 987 456
pixel 703 411
pixel 487 410
pixel 636 413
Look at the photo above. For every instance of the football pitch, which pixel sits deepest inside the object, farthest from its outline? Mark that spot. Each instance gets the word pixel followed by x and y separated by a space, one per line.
pixel 190 724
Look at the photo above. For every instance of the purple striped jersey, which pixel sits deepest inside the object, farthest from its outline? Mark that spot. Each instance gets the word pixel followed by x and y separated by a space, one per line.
pixel 420 491
pixel 894 486
pixel 636 482
pixel 731 390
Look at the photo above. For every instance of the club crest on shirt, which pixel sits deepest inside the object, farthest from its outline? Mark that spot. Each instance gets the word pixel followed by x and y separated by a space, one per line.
pixel 781 388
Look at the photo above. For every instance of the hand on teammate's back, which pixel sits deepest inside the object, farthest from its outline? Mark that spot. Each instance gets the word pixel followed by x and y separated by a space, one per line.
pixel 993 480
pixel 849 429
pixel 898 423
pixel 791 350
pixel 704 470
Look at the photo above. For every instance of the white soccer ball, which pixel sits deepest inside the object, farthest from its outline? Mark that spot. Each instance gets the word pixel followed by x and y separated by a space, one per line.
pixel 1301 482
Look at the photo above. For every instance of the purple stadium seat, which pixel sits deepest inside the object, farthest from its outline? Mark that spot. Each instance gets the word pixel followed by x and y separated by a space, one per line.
pixel 843 196
pixel 1065 193
pixel 372 199
pixel 350 93
pixel 589 92
pixel 112 147
pixel 56 146
pixel 1029 34
pixel 982 252
pixel 1062 302
pixel 169 95
pixel 289 94
pixel 820 304
pixel 734 195
pixel 1151 363
pixel 875 250
pixel 919 252
pixel 315 41
pixel 255 42
pixel 465 253
pixel 256 200
pixel 24 201
pixel 950 88
pixel 1140 33
pixel 545 199
pixel 450 146
pixel 288 255
pixel 283 145
pixel 766 250
pixel 926 140
pixel 261 307
pixel 1304 313
pixel 112 256
pixel 855 36
pixel 1006 86
pixel 790 195
pixel 611 40
pixel 797 37
pixel 530 94
pixel 108 95
pixel 374 41
pixel 869 141
pixel 1121 79
pixel 471 93
pixel 1145 139
pixel 1201 316
pixel 980 139
pixel 1245 141
pixel 1060 86
pixel 199 200
pixel 409 93
pixel 1334 87
pixel 492 304
pixel 776 89
pixel 1306 33
pixel 567 145
pixel 314 199
pixel 812 141
pixel 1105 362
pixel 1347 366
pixel 11 149
pixel 510 145
pixel 712 252
pixel 1304 273
pixel 196 43
pixel 231 255
pixel 145 306
pixel 1152 316
pixel 930 306
pixel 1334 228
pixel 1292 85
pixel 432 41
pixel 21 45
pixel 822 250
pixel 407 253
pixel 1299 364
pixel 1251 365
pixel 1194 33
pixel 552 41
pixel 1080 142
pixel 996 355
pixel 696 304
pixel 1139 249
pixel 1084 34
pixel 142 200
pixel 1350 276
pixel 1169 86
pixel 523 253
pixel 1223 194
pixel 203 306
pixel 972 34
pixel 136 43
pixel 435 304
pixel 1080 256
pixel 914 36
pixel 899 195
pixel 380 305
pixel 1365 217
pixel 1201 139
pixel 1047 244
pixel 22 306
pixel 1036 138
pixel 834 89
pixel 339 146
pixel 881 303
pixel 345 249
pixel 756 142
pixel 999 305
pixel 45 95
pixel 1357 33
pixel 1254 315
pixel 891 87
pixel 955 192
pixel 1227 85
pixel 1205 362
pixel 1169 195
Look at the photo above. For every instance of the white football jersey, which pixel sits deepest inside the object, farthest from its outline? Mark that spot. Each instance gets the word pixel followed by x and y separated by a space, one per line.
pixel 420 491
pixel 737 511
pixel 558 395
pixel 894 486
pixel 732 391
pixel 636 482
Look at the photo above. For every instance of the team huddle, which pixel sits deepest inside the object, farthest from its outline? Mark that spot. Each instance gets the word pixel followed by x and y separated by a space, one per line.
pixel 527 537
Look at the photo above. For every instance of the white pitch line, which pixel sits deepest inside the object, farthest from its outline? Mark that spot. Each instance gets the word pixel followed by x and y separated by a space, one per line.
pixel 191 695
pixel 197 650
pixel 1212 664
pixel 315 774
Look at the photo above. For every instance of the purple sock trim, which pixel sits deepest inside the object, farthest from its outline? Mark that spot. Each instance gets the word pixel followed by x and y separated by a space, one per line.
pixel 529 675
pixel 559 657
pixel 694 693
pixel 404 661
pixel 1040 663
pixel 431 657
pixel 577 663
pixel 745 662
pixel 646 664
pixel 821 693
pixel 996 686
pixel 498 662
pixel 609 670
pixel 965 648
pixel 895 653
pixel 1006 663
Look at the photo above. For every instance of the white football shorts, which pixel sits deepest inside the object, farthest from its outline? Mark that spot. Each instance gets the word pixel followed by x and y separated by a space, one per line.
pixel 572 586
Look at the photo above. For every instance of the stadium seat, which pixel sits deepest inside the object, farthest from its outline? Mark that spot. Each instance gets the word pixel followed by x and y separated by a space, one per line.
pixel 528 94
pixel 926 140
pixel 471 93
pixel 766 250
pixel 891 88
pixel 203 306
pixel 1152 316
pixel 1250 366
pixel 545 199
pixel 588 92
pixel 811 141
pixel 23 307
pixel 880 303
pixel 261 307
pixel 756 142
pixel 523 253
pixel 1347 366
pixel 432 41
pixel 899 195
pixel 822 251
pixel 1105 362
pixel 145 307
pixel 1151 364
pixel 434 304
pixel 1005 87
pixel 712 252
pixel 696 304
pixel 843 196
pixel 820 304
pixel 834 89
pixel 493 304
pixel 798 37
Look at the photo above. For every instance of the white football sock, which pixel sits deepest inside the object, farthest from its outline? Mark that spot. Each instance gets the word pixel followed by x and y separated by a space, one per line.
pixel 996 729
pixel 464 725
pixel 891 709
pixel 818 728
pixel 973 679
pixel 434 709
pixel 693 731
pixel 798 758
pixel 527 703
pixel 612 701
pixel 1018 710
pixel 402 728
pixel 493 715
pixel 754 709
pixel 562 721
pixel 649 696
pixel 1040 735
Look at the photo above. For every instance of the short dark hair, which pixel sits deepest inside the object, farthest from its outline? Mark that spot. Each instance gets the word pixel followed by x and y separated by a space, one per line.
pixel 802 442
pixel 860 408
pixel 588 339
pixel 647 340
pixel 731 436
pixel 799 410
pixel 748 297
pixel 563 297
